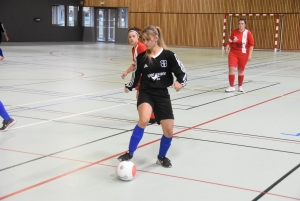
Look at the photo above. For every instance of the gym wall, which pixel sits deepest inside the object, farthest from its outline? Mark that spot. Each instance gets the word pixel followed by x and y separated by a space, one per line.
pixel 18 19
pixel 200 22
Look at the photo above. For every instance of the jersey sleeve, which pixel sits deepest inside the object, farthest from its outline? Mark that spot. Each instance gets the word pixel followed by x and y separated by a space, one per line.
pixel 178 69
pixel 136 73
pixel 250 39
pixel 2 28
pixel 141 48
pixel 230 39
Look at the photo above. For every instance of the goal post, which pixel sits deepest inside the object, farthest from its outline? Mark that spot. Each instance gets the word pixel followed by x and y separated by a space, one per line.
pixel 276 26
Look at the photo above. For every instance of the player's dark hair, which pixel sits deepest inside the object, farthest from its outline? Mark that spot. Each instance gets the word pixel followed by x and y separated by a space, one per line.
pixel 134 29
pixel 243 19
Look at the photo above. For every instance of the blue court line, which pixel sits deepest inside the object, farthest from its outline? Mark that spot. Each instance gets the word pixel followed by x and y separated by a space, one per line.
pixel 93 97
pixel 225 72
pixel 42 92
pixel 60 103
pixel 296 135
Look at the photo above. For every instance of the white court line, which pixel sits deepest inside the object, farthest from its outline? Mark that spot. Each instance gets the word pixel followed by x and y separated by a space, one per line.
pixel 118 89
pixel 247 77
pixel 60 98
pixel 78 114
pixel 258 64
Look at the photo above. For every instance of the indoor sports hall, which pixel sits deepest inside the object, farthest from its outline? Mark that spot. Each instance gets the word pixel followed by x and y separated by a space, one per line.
pixel 62 83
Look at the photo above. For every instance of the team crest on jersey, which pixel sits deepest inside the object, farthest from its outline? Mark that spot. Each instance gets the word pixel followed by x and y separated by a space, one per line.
pixel 235 39
pixel 163 63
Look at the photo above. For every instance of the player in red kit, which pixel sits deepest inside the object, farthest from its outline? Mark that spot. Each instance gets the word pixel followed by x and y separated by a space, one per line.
pixel 239 47
pixel 138 48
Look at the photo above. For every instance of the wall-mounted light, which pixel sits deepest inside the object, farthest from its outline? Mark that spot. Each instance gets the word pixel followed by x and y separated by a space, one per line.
pixel 37 19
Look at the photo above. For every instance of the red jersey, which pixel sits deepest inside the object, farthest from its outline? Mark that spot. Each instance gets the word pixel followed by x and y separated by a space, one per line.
pixel 240 42
pixel 138 49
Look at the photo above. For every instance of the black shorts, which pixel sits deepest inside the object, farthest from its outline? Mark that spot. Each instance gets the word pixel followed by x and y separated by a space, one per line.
pixel 160 101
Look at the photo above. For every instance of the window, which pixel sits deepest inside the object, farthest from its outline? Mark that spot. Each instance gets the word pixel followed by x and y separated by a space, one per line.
pixel 122 17
pixel 58 15
pixel 72 16
pixel 88 16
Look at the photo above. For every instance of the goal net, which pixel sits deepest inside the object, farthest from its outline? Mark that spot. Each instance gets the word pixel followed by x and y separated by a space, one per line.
pixel 264 27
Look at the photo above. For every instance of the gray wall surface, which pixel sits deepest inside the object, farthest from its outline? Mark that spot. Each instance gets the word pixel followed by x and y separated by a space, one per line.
pixel 121 36
pixel 18 16
pixel 89 34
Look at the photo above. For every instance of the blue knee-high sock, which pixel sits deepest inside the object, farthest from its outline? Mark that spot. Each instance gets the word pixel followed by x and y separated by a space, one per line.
pixel 135 139
pixel 1 53
pixel 3 112
pixel 165 144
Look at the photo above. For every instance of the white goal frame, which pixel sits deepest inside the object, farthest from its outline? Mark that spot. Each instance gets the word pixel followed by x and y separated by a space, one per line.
pixel 277 17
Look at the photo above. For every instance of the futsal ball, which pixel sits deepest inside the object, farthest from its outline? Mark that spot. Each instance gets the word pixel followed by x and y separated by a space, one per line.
pixel 126 170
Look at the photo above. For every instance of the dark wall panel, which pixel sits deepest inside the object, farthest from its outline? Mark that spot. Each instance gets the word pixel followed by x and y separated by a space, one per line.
pixel 18 19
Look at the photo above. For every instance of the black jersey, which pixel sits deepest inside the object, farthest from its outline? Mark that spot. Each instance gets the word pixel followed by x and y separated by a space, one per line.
pixel 158 73
pixel 1 30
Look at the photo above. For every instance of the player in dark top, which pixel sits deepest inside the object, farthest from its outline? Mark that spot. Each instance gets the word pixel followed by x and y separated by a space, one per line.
pixel 6 38
pixel 7 120
pixel 157 66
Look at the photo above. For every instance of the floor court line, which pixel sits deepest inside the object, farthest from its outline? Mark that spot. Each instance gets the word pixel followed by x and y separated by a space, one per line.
pixel 61 151
pixel 125 131
pixel 156 173
pixel 63 98
pixel 145 144
pixel 248 136
pixel 225 63
pixel 65 117
pixel 176 92
pixel 275 183
pixel 66 102
pixel 240 145
pixel 179 92
pixel 233 96
pixel 255 75
pixel 239 135
pixel 76 114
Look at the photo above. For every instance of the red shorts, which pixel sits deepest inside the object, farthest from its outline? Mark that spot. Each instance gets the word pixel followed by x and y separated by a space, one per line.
pixel 237 60
pixel 138 85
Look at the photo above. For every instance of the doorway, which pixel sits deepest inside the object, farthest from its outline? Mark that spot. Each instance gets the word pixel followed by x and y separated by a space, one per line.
pixel 106 24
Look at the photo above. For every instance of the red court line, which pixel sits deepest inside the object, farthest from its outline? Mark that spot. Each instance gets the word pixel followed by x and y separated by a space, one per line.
pixel 57 177
pixel 81 74
pixel 190 128
pixel 156 173
pixel 218 184
pixel 105 159
pixel 36 154
pixel 167 175
pixel 52 53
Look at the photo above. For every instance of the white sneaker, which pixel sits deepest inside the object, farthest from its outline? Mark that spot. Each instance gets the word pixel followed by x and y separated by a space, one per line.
pixel 241 89
pixel 230 89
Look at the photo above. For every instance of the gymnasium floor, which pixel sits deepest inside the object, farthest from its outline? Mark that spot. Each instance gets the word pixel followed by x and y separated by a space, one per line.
pixel 74 120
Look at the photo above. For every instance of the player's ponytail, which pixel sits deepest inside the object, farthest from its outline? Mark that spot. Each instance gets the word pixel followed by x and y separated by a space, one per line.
pixel 154 31
pixel 160 42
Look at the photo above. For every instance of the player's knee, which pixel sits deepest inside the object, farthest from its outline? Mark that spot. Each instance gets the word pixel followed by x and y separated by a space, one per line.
pixel 143 122
pixel 168 132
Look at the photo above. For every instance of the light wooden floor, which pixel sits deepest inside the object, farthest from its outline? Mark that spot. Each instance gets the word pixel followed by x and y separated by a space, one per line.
pixel 74 120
